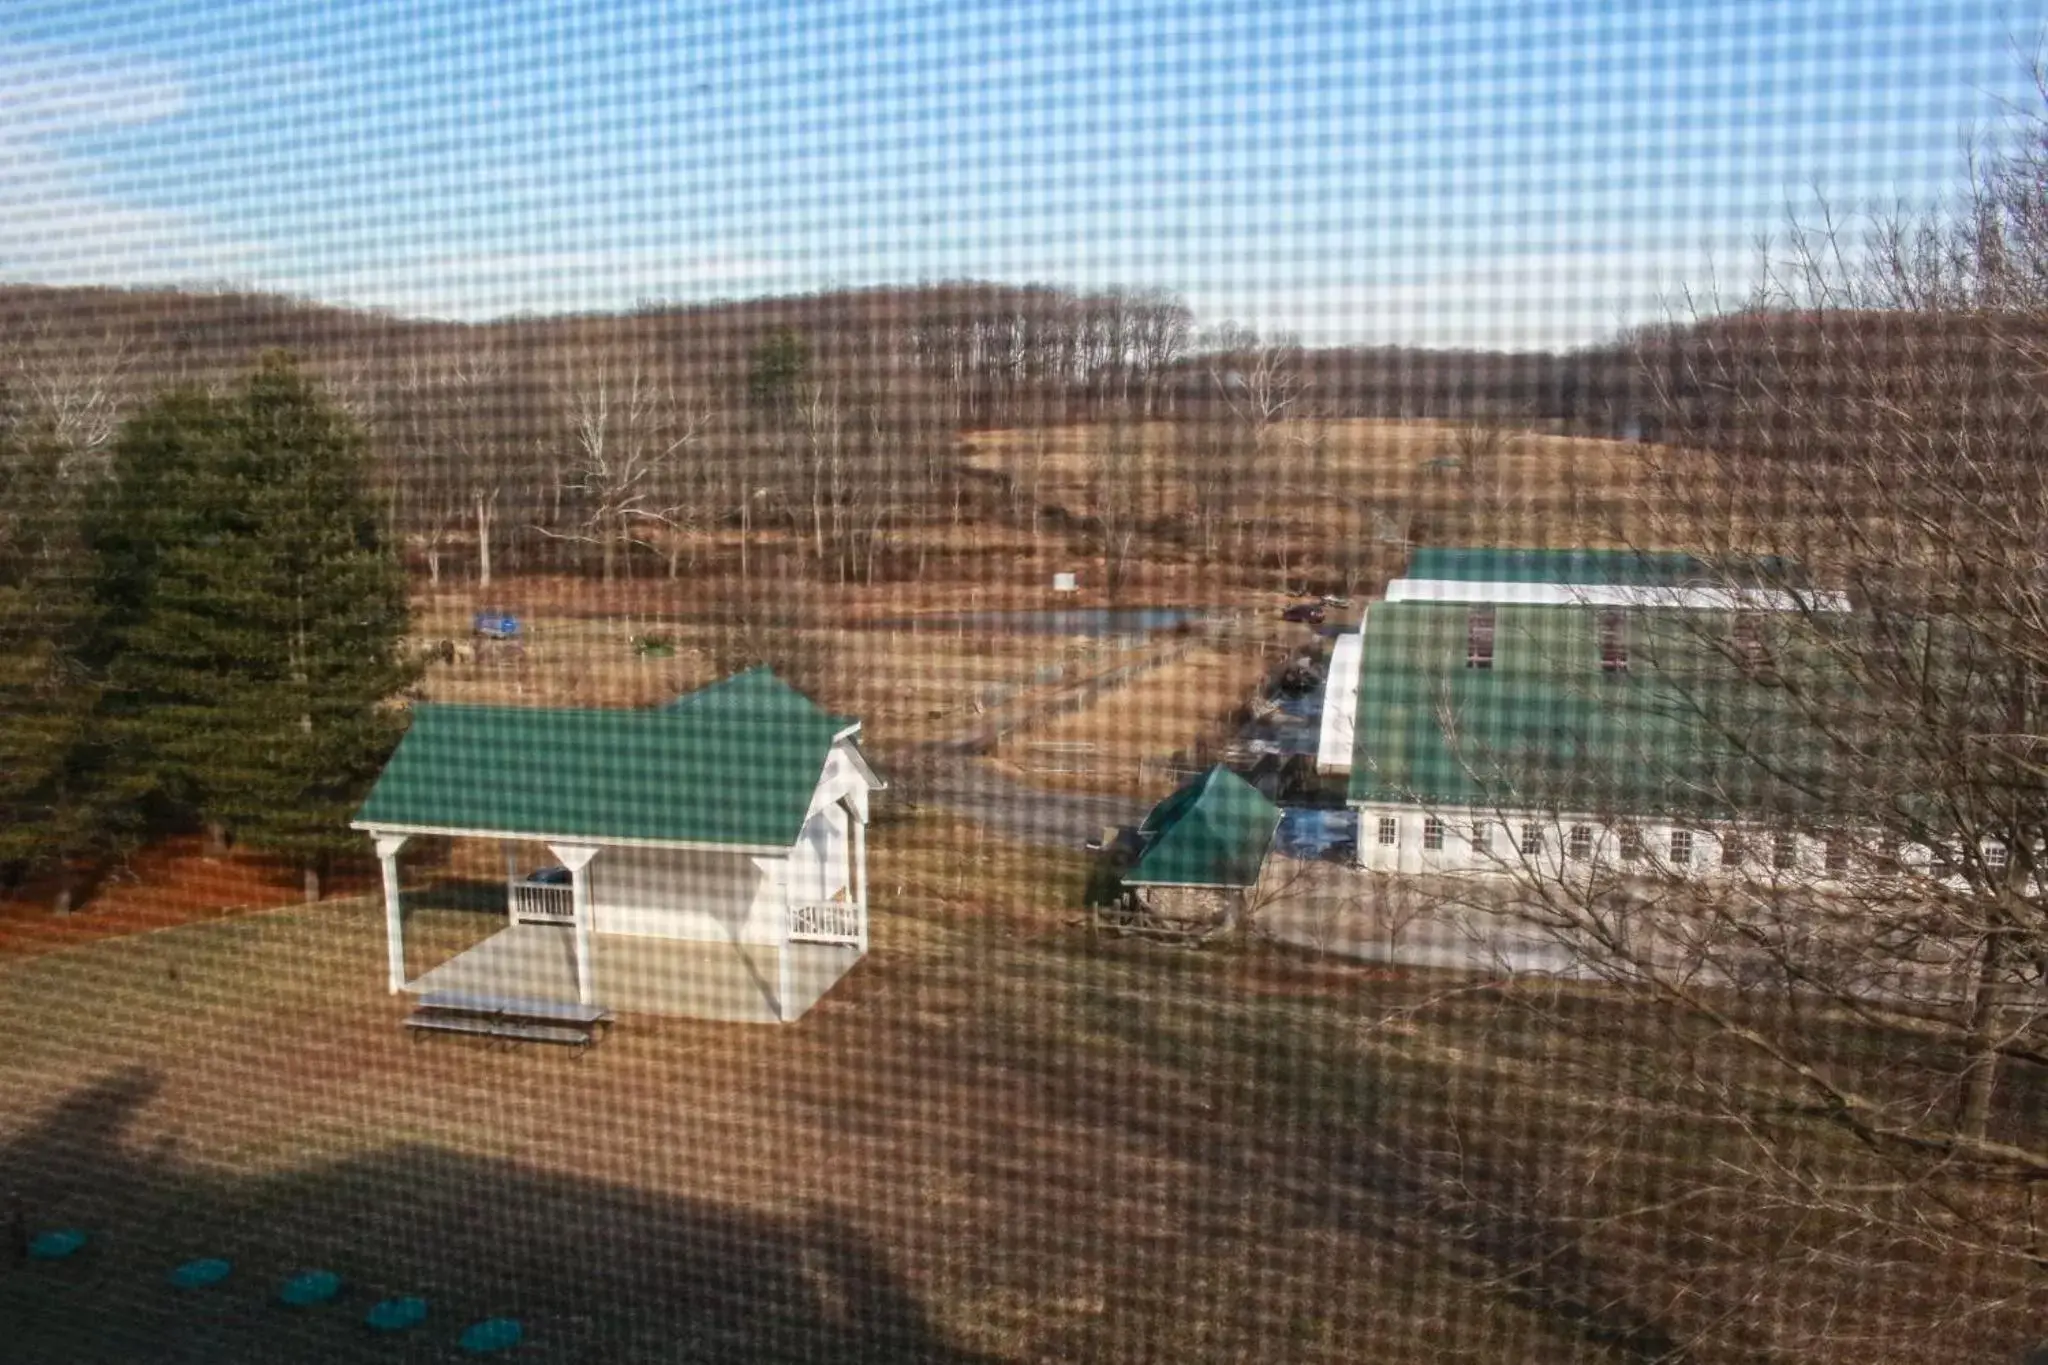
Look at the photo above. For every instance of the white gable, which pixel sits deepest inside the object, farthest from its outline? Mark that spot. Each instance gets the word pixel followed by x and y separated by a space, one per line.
pixel 848 777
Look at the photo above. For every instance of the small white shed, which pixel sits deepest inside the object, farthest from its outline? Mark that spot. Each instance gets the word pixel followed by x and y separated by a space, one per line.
pixel 708 857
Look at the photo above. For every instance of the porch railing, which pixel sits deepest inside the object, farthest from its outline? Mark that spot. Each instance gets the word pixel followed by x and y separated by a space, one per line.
pixel 824 922
pixel 539 902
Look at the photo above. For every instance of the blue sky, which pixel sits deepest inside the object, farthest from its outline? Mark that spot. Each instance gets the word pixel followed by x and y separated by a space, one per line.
pixel 1425 171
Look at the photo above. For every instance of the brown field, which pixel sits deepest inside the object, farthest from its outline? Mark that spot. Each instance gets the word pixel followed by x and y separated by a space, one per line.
pixel 1122 742
pixel 994 1142
pixel 907 686
pixel 1335 488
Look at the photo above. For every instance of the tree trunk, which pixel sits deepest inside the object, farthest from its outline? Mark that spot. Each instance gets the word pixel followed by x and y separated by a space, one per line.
pixel 483 544
pixel 609 555
pixel 216 839
pixel 1987 1017
pixel 312 883
pixel 62 902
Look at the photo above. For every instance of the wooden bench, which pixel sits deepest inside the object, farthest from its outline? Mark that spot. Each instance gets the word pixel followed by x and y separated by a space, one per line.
pixel 531 1021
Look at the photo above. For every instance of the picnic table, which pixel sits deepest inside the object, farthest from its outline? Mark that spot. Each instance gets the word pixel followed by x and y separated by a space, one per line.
pixel 513 1020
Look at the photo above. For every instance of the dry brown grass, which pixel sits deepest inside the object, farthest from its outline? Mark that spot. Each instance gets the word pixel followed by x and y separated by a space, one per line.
pixel 1121 743
pixel 991 1142
pixel 1333 488
pixel 907 686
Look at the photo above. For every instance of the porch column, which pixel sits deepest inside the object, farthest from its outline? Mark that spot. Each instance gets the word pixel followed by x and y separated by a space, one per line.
pixel 511 852
pixel 394 922
pixel 576 857
pixel 782 955
pixel 860 875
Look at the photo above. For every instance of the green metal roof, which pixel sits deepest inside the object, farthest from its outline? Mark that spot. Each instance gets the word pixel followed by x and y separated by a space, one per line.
pixel 1214 831
pixel 1682 731
pixel 749 696
pixel 734 763
pixel 1585 568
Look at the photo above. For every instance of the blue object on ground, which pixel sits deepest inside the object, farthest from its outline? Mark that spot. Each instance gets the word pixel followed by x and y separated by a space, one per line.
pixel 310 1288
pixel 55 1245
pixel 396 1315
pixel 199 1274
pixel 492 1334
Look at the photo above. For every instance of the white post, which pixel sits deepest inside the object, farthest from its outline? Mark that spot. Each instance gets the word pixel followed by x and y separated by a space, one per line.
pixel 576 857
pixel 511 876
pixel 394 921
pixel 860 876
pixel 782 953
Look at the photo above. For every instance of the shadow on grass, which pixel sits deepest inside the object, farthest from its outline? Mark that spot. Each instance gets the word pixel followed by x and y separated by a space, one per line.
pixel 596 1271
pixel 479 897
pixel 1276 1099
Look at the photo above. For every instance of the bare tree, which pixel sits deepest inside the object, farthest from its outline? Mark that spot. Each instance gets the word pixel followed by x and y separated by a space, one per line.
pixel 68 390
pixel 1864 991
pixel 1117 498
pixel 626 425
pixel 1261 384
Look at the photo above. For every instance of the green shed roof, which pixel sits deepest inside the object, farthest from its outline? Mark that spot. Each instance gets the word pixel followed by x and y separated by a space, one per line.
pixel 1214 831
pixel 733 764
pixel 1681 731
pixel 749 696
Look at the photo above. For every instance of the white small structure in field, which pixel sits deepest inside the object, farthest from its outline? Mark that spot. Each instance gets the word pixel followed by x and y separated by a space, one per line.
pixel 1066 582
pixel 710 855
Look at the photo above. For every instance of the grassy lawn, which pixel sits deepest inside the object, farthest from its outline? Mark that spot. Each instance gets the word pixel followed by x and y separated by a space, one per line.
pixel 995 1140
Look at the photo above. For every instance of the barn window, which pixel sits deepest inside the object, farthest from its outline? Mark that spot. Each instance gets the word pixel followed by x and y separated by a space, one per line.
pixel 1613 641
pixel 1734 850
pixel 1631 843
pixel 1432 832
pixel 1996 857
pixel 1784 852
pixel 1835 855
pixel 1390 831
pixel 1532 840
pixel 1479 637
pixel 1482 837
pixel 1580 843
pixel 1681 848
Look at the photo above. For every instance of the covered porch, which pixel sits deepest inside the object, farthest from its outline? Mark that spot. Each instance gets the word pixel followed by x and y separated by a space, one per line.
pixel 707 858
pixel 726 982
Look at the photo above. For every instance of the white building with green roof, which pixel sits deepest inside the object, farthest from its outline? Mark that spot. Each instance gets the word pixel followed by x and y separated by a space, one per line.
pixel 1568 707
pixel 705 858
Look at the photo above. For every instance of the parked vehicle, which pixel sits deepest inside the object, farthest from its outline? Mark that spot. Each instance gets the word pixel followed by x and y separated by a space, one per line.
pixel 551 876
pixel 1308 613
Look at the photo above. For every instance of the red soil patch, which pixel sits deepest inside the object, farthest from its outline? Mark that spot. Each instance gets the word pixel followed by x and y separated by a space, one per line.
pixel 171 883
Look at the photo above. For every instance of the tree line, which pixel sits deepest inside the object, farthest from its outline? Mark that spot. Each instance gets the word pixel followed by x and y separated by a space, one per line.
pixel 610 445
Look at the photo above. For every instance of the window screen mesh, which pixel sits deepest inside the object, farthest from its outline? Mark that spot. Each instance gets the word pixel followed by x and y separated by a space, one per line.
pixel 831 682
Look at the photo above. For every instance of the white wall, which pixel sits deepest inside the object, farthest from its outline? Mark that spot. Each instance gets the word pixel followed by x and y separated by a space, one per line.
pixel 687 894
pixel 1408 853
pixel 734 897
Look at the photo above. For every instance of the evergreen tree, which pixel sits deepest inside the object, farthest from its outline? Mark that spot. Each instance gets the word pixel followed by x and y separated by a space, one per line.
pixel 252 618
pixel 55 815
